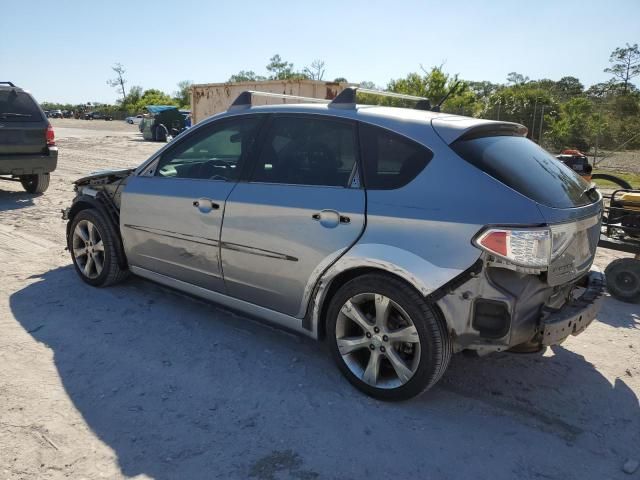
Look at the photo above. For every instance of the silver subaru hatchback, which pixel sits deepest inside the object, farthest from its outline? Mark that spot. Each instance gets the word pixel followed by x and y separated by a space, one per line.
pixel 400 236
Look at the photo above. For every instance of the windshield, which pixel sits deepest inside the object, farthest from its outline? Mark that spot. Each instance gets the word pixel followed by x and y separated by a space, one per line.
pixel 18 107
pixel 522 165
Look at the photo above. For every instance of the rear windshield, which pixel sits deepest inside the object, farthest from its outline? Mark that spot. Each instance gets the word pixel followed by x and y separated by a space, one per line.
pixel 524 166
pixel 18 107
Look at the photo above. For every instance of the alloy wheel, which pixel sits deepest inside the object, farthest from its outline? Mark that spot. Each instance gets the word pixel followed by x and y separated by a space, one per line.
pixel 88 249
pixel 377 340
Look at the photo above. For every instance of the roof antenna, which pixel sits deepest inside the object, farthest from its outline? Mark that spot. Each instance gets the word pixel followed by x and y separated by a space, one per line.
pixel 449 93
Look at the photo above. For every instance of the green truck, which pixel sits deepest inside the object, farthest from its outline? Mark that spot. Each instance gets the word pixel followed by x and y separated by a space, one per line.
pixel 161 122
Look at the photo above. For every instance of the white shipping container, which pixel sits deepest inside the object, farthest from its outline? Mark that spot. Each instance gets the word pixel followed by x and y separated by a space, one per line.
pixel 211 98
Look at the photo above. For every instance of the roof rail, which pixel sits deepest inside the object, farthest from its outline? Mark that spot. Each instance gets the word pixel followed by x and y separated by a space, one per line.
pixel 8 83
pixel 245 99
pixel 347 98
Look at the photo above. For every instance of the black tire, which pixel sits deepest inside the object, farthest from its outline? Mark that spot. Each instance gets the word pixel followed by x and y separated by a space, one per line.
pixel 435 342
pixel 622 183
pixel 35 183
pixel 112 272
pixel 623 279
pixel 161 133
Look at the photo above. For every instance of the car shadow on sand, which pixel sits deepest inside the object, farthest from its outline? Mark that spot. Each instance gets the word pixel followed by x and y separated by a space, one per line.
pixel 619 314
pixel 179 388
pixel 12 200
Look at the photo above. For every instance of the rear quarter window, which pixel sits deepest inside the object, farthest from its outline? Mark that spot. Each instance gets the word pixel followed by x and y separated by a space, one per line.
pixel 527 168
pixel 18 107
pixel 390 161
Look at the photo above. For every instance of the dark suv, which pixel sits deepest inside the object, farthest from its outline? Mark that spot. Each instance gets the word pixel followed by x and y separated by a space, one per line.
pixel 27 143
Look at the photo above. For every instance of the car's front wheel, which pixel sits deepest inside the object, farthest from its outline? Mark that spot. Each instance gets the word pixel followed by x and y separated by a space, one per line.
pixel 92 242
pixel 35 183
pixel 386 339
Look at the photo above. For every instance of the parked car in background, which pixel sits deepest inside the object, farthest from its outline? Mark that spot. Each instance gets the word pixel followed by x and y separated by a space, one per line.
pixel 97 116
pixel 28 151
pixel 134 120
pixel 339 221
pixel 55 113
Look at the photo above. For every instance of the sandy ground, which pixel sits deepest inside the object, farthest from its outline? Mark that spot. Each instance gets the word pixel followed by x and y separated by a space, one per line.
pixel 140 381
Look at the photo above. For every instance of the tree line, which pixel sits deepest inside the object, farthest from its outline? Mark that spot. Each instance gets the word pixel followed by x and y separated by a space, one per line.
pixel 558 113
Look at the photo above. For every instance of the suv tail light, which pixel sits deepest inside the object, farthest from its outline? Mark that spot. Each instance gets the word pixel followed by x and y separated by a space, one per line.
pixel 51 137
pixel 529 248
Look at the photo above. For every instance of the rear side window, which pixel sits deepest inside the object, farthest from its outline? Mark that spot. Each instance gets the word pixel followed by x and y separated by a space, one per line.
pixel 18 107
pixel 307 151
pixel 524 166
pixel 390 160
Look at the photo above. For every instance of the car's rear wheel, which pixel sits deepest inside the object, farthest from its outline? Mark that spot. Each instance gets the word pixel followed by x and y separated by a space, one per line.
pixel 35 183
pixel 385 338
pixel 93 246
pixel 161 133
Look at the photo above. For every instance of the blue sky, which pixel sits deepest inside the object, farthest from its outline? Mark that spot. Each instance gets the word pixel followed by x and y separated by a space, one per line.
pixel 63 50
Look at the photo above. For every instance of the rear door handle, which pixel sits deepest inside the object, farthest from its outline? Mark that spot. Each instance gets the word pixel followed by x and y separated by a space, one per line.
pixel 205 205
pixel 330 218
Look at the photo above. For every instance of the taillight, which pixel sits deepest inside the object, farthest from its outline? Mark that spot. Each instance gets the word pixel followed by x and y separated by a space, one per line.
pixel 523 247
pixel 51 137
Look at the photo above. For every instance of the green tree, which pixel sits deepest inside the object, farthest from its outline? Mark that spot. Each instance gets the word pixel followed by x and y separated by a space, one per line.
pixel 625 64
pixel 183 95
pixel 154 96
pixel 370 85
pixel 515 78
pixel 434 84
pixel 574 126
pixel 246 76
pixel 524 104
pixel 133 97
pixel 568 87
pixel 280 69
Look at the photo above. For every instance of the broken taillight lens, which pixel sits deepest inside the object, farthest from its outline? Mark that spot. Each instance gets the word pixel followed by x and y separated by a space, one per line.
pixel 51 137
pixel 523 247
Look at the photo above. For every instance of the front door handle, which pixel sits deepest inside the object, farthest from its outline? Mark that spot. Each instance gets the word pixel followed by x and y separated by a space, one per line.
pixel 330 218
pixel 205 205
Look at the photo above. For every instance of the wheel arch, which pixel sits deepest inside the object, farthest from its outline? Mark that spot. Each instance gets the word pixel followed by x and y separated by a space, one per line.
pixel 414 271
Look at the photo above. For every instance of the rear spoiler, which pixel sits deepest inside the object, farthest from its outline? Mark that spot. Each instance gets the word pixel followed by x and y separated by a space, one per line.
pixel 451 128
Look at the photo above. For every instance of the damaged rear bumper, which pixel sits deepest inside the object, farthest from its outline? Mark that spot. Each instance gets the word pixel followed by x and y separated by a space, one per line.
pixel 572 319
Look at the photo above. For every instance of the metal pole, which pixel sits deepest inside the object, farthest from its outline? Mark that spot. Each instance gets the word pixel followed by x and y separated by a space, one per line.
pixel 595 153
pixel 541 121
pixel 499 105
pixel 533 123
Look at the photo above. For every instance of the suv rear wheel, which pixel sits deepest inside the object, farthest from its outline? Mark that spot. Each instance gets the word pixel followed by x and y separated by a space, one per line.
pixel 386 339
pixel 35 183
pixel 92 242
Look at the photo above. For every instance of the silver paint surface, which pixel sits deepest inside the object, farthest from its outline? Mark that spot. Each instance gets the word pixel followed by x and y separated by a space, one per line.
pixel 264 250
